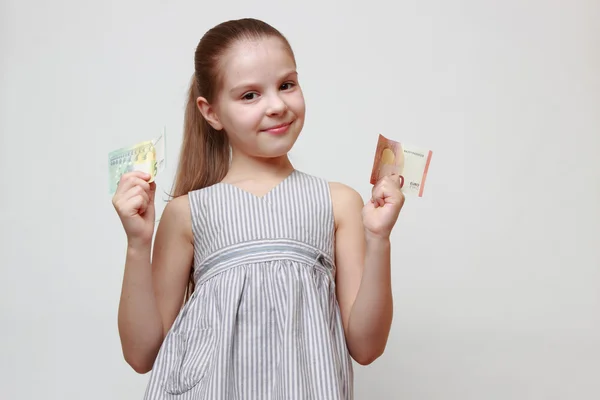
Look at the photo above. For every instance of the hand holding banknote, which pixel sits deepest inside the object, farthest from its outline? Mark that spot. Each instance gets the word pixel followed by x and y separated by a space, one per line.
pixel 134 202
pixel 381 213
pixel 148 156
pixel 131 177
pixel 397 170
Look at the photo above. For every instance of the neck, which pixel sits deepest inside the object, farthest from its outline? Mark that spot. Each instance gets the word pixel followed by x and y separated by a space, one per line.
pixel 244 167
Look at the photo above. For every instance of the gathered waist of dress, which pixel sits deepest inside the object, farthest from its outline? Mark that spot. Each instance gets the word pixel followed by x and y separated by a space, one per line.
pixel 262 251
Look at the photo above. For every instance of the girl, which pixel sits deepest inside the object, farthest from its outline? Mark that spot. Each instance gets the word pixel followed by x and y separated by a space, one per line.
pixel 284 277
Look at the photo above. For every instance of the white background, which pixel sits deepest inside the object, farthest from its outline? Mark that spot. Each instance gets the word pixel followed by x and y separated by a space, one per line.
pixel 496 270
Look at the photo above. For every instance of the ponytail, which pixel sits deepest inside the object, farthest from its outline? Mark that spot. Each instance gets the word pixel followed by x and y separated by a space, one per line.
pixel 204 157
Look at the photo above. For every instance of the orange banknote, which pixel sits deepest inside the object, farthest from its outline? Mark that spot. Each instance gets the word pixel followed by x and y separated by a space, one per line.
pixel 411 163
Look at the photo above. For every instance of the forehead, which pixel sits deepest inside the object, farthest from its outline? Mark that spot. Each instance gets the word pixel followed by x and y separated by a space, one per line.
pixel 256 61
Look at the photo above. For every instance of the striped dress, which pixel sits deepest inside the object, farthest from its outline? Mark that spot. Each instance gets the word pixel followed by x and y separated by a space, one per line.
pixel 263 322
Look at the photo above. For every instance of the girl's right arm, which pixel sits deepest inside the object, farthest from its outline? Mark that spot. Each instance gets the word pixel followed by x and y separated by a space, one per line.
pixel 153 291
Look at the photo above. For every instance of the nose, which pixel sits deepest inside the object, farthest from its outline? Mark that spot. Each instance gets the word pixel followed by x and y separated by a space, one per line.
pixel 276 105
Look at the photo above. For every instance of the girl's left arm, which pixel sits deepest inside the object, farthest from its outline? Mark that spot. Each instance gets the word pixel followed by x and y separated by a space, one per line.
pixel 363 277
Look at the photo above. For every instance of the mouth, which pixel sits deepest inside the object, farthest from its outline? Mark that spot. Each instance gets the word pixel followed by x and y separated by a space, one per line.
pixel 278 129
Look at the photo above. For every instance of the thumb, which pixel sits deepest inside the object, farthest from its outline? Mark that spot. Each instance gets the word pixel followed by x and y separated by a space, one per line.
pixel 398 179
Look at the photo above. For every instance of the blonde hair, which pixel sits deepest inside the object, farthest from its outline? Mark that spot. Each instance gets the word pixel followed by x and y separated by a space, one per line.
pixel 205 155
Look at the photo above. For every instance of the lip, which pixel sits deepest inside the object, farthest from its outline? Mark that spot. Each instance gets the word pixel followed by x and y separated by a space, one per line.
pixel 278 129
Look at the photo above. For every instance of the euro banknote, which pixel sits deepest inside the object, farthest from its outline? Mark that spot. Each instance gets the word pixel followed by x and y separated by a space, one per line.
pixel 410 162
pixel 147 156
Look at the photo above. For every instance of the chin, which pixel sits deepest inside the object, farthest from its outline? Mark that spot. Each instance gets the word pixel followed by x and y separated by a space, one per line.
pixel 280 146
pixel 276 152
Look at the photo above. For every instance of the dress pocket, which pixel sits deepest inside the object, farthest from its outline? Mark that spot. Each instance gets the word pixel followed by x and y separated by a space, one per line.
pixel 189 355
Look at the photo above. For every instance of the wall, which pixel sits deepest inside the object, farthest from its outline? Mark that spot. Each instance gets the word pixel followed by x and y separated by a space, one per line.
pixel 496 270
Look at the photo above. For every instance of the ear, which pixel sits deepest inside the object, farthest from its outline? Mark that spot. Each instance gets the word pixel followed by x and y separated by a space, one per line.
pixel 209 114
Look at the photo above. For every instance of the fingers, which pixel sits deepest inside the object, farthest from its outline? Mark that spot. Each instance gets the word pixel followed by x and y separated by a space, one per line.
pixel 388 186
pixel 138 204
pixel 131 179
pixel 396 178
pixel 378 197
pixel 377 194
pixel 378 202
pixel 134 193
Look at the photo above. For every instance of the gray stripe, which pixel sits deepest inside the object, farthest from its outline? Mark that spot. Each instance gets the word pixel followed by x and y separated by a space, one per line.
pixel 263 322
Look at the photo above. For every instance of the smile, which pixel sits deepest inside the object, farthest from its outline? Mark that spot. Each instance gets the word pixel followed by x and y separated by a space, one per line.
pixel 278 129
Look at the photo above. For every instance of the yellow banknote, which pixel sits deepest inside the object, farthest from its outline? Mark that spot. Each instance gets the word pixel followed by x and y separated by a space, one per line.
pixel 147 156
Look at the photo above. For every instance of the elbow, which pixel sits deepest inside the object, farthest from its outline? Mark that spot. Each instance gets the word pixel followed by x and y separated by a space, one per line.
pixel 140 366
pixel 141 369
pixel 140 356
pixel 368 356
pixel 367 348
pixel 365 361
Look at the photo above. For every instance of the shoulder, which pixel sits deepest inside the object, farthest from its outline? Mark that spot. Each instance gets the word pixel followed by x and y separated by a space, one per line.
pixel 178 207
pixel 347 202
pixel 340 192
pixel 344 193
pixel 176 215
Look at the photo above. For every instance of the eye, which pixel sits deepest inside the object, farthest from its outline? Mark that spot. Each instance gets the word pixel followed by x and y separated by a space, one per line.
pixel 287 86
pixel 249 96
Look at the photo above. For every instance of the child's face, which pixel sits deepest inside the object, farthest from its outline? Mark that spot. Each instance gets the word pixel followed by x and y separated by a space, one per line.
pixel 259 92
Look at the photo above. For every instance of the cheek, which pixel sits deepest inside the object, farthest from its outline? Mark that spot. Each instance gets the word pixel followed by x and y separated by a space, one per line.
pixel 297 105
pixel 244 117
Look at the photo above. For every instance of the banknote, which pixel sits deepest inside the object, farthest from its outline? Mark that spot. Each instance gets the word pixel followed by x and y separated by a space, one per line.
pixel 410 162
pixel 147 156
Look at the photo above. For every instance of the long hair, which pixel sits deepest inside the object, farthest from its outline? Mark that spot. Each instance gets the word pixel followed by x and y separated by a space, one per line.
pixel 205 155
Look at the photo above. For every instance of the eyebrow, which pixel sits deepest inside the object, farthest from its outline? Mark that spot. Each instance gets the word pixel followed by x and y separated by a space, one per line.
pixel 247 85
